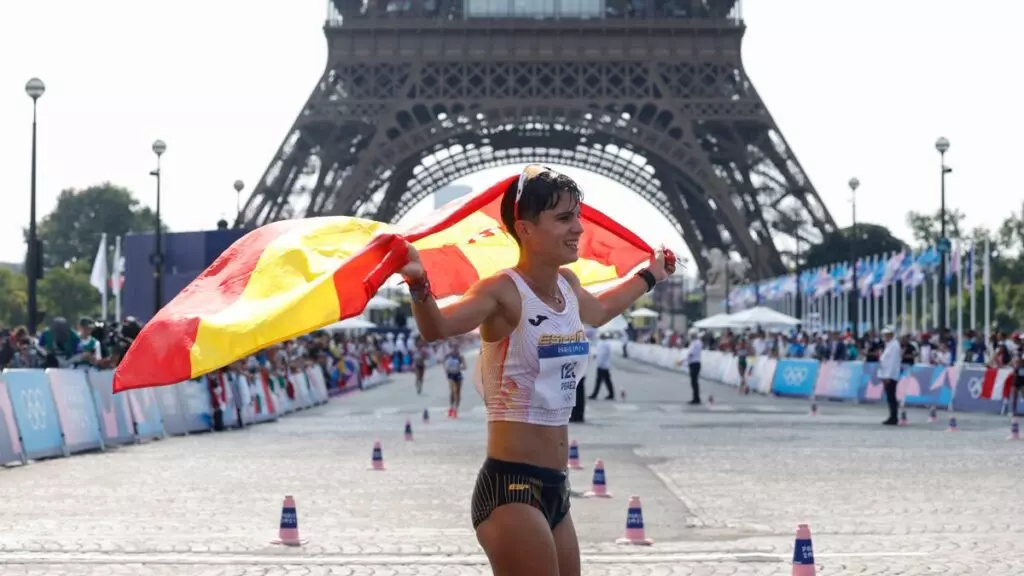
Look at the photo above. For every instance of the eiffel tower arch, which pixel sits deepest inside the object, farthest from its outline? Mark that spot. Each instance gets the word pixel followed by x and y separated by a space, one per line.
pixel 651 94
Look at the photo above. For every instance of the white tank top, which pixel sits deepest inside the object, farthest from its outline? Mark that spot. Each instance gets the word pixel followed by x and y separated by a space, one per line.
pixel 531 375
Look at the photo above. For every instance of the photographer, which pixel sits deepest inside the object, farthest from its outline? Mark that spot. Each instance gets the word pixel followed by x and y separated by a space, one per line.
pixel 58 343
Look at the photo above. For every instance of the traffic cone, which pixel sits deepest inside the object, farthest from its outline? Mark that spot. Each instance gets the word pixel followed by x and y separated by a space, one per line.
pixel 426 416
pixel 288 534
pixel 377 461
pixel 933 415
pixel 622 395
pixel 711 400
pixel 1014 430
pixel 803 552
pixel 408 430
pixel 903 417
pixel 574 456
pixel 814 408
pixel 952 424
pixel 598 488
pixel 635 525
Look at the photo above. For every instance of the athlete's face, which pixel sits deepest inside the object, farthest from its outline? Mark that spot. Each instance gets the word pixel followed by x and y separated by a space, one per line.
pixel 556 235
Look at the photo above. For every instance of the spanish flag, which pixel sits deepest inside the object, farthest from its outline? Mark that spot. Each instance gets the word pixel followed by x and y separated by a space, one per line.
pixel 289 278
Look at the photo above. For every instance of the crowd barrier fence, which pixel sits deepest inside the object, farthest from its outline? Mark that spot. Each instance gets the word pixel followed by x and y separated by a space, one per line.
pixel 960 388
pixel 59 412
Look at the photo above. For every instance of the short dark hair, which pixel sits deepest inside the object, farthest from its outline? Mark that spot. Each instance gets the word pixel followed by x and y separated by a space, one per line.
pixel 540 193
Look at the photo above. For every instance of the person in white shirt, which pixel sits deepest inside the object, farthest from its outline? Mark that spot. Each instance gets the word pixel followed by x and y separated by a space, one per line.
pixel 693 359
pixel 889 373
pixel 604 368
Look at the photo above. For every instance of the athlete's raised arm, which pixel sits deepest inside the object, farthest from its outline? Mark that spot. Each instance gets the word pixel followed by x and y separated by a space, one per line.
pixel 599 310
pixel 435 323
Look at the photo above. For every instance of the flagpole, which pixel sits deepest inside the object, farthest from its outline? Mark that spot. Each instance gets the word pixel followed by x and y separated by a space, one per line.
pixel 986 277
pixel 974 322
pixel 116 279
pixel 959 307
pixel 98 277
pixel 913 304
pixel 946 282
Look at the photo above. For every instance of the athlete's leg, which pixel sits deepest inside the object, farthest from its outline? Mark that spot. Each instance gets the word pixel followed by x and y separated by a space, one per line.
pixel 530 552
pixel 458 394
pixel 567 546
pixel 451 393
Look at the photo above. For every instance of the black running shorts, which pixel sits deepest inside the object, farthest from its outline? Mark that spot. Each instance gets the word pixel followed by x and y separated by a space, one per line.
pixel 500 483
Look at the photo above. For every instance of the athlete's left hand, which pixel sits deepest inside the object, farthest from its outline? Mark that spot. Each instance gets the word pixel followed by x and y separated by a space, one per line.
pixel 662 264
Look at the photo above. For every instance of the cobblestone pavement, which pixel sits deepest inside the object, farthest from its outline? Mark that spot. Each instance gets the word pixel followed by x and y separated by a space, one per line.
pixel 723 488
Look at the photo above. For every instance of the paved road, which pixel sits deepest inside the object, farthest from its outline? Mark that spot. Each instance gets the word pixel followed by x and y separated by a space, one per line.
pixel 723 488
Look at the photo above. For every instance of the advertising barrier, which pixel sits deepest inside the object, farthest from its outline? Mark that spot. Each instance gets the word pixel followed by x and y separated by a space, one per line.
pixel 59 412
pixel 963 388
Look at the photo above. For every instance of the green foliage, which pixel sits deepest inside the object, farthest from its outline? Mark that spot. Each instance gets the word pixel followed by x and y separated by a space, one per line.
pixel 72 231
pixel 13 298
pixel 70 235
pixel 839 247
pixel 66 292
pixel 1006 262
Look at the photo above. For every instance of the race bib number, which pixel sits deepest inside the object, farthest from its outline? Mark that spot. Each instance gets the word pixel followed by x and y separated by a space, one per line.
pixel 561 368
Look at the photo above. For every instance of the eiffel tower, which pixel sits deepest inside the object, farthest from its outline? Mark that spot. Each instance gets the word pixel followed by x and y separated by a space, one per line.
pixel 649 93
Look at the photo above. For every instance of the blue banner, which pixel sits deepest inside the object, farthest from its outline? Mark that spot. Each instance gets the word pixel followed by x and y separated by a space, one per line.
pixel 926 385
pixel 795 377
pixel 35 413
pixel 198 411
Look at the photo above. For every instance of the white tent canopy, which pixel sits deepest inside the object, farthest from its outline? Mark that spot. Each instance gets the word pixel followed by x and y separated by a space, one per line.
pixel 644 313
pixel 712 322
pixel 761 316
pixel 616 324
pixel 380 303
pixel 354 323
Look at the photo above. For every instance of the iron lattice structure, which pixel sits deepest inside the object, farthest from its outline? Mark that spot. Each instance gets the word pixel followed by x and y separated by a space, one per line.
pixel 650 94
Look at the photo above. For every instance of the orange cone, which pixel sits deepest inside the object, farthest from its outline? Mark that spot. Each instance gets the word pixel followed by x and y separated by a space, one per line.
pixel 288 534
pixel 803 552
pixel 377 460
pixel 635 525
pixel 574 456
pixel 598 488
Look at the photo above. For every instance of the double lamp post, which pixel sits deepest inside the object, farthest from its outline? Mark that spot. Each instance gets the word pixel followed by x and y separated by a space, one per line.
pixel 35 88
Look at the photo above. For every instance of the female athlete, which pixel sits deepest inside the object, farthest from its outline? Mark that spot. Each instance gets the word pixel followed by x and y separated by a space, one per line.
pixel 454 364
pixel 533 352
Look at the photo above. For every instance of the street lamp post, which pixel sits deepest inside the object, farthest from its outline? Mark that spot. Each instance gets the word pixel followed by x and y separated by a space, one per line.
pixel 159 147
pixel 855 289
pixel 942 145
pixel 239 185
pixel 34 88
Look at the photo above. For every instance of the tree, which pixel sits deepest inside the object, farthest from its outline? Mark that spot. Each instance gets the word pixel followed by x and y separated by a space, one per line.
pixel 834 248
pixel 72 231
pixel 926 227
pixel 65 291
pixel 13 298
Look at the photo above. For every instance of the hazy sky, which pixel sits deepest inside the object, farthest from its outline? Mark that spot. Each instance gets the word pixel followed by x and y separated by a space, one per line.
pixel 858 87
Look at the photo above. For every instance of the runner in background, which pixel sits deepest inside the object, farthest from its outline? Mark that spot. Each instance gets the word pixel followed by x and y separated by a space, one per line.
pixel 454 364
pixel 419 362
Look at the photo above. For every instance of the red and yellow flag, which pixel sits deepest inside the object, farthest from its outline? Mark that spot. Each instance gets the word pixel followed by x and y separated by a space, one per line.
pixel 289 278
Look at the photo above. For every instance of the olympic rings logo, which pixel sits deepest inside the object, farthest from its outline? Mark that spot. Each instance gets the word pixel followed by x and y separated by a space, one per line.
pixel 974 387
pixel 35 411
pixel 794 374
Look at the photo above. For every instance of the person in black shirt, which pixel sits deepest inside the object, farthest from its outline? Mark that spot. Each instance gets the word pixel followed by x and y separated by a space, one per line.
pixel 872 348
pixel 909 351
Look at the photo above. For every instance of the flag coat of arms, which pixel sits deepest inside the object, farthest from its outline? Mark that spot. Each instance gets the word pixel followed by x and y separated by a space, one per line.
pixel 289 278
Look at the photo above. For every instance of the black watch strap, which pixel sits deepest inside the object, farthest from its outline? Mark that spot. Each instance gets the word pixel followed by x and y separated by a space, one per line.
pixel 647 277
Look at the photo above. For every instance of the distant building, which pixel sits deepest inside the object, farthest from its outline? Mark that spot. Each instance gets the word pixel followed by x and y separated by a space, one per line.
pixel 449 193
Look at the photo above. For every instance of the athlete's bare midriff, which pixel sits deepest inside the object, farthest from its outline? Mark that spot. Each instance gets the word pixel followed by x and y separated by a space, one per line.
pixel 539 445
pixel 545 446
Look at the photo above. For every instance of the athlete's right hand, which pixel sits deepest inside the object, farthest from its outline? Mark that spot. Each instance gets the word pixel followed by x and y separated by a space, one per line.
pixel 413 270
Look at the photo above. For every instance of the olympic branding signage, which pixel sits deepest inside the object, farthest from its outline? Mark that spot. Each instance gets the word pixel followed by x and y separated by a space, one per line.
pixel 795 377
pixel 35 412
